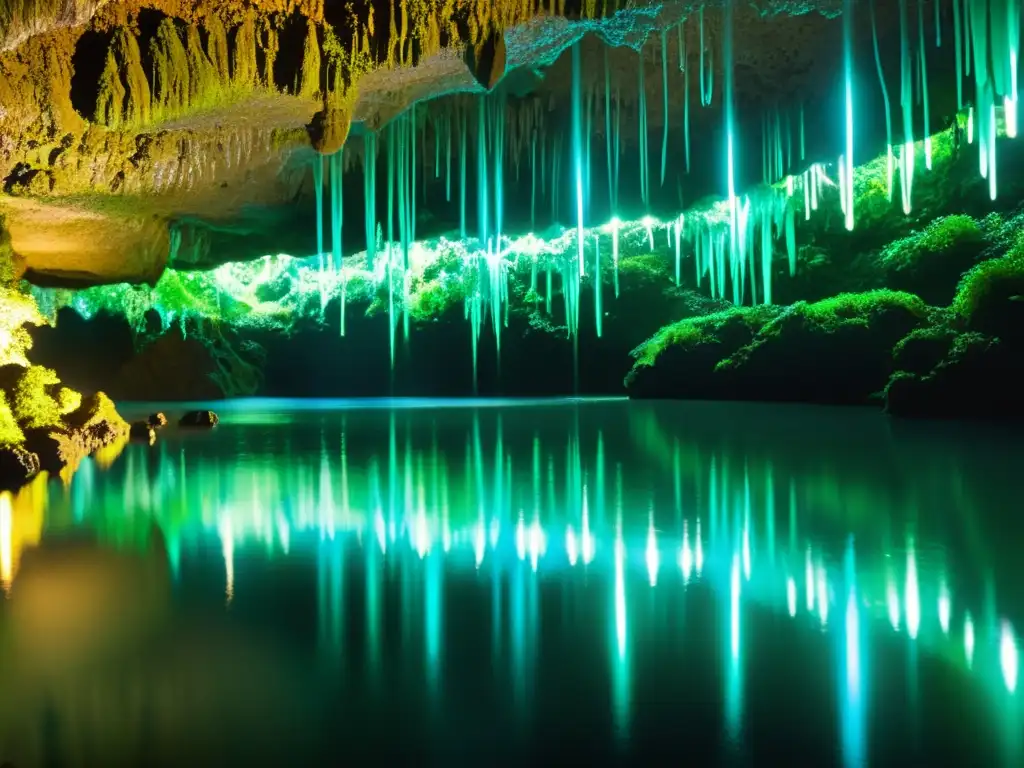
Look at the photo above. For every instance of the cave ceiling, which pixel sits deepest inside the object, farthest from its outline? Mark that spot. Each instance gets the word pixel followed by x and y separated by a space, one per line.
pixel 110 130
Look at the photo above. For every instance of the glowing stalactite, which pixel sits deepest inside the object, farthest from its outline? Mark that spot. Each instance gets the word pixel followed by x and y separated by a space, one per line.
pixel 730 139
pixel 684 68
pixel 533 192
pixel 370 196
pixel 707 69
pixel 6 541
pixel 924 84
pixel 318 188
pixel 907 106
pixel 645 196
pixel 463 130
pixel 577 152
pixel 889 159
pixel 848 100
pixel 337 218
pixel 664 107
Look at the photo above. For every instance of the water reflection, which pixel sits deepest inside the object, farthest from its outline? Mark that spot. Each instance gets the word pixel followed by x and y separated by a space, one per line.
pixel 742 523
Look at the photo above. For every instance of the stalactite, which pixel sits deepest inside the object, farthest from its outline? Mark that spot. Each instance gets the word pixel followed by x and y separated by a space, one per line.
pixel 309 83
pixel 642 135
pixel 907 103
pixel 217 47
pixel 112 95
pixel 926 133
pixel 664 106
pixel 170 69
pixel 885 103
pixel 370 196
pixel 202 76
pixel 243 53
pixel 138 98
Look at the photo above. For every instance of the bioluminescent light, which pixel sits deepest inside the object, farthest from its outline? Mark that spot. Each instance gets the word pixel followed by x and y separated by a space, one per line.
pixel 944 607
pixel 809 580
pixel 791 596
pixel 823 594
pixel 686 555
pixel 847 160
pixel 572 547
pixel 969 639
pixel 892 601
pixel 651 556
pixel 912 594
pixel 1008 656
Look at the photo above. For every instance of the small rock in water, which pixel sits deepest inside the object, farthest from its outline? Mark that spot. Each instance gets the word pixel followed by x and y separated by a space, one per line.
pixel 17 466
pixel 206 419
pixel 142 432
pixel 157 420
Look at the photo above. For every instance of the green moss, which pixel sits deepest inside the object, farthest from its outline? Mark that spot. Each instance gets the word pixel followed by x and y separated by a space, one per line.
pixel 983 292
pixel 28 393
pixel 704 329
pixel 941 238
pixel 856 308
pixel 650 265
pixel 68 400
pixel 10 432
pixel 923 348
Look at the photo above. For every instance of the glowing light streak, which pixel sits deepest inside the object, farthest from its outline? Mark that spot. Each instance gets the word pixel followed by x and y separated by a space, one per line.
pixel 791 595
pixel 944 607
pixel 969 640
pixel 1008 659
pixel 686 555
pixel 651 555
pixel 572 549
pixel 912 595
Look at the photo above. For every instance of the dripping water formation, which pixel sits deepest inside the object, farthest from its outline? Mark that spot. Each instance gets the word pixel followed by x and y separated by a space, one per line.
pixel 733 242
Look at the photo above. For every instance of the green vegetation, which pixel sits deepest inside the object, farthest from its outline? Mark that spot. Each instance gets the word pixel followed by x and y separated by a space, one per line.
pixel 989 285
pixel 704 329
pixel 28 392
pixel 941 238
pixel 10 432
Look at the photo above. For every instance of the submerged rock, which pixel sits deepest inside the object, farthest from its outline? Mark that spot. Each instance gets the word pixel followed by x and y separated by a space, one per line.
pixel 836 351
pixel 142 432
pixel 199 419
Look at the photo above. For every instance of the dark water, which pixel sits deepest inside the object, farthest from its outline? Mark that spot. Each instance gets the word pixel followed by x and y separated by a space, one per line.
pixel 446 583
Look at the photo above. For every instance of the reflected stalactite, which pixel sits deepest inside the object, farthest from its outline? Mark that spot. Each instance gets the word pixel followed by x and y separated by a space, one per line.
pixel 409 504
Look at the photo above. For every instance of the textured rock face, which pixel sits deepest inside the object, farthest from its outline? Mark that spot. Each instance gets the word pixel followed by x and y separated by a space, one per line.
pixel 119 118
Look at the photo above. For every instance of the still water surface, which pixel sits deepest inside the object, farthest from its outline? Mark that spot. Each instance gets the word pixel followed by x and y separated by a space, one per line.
pixel 498 583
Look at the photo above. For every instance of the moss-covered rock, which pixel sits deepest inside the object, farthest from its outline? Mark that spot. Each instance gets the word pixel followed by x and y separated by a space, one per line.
pixel 10 431
pixel 931 262
pixel 990 297
pixel 681 358
pixel 834 351
pixel 28 391
pixel 980 377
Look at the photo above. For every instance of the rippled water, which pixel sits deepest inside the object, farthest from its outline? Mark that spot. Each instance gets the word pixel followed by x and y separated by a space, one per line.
pixel 488 583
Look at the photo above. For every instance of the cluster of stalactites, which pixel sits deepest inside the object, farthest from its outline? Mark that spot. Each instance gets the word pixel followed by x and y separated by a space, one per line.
pixel 734 248
pixel 191 66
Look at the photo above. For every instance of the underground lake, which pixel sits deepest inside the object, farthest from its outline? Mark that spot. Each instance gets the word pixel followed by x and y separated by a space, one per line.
pixel 503 582
pixel 511 382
